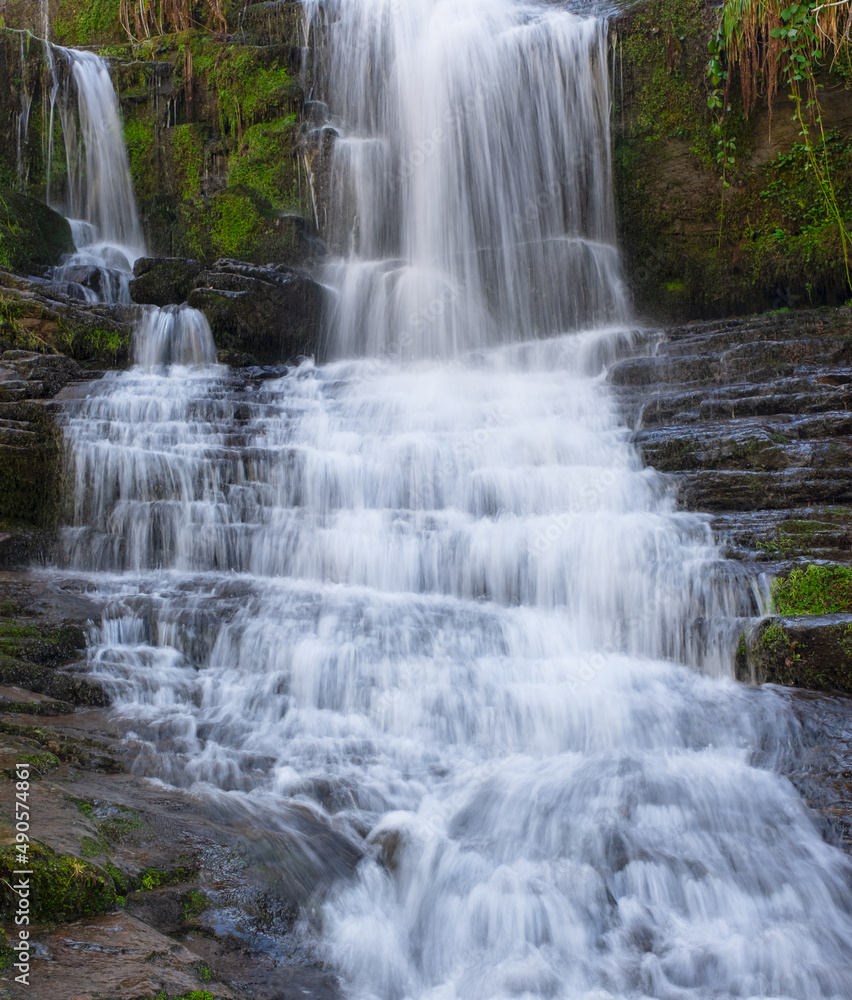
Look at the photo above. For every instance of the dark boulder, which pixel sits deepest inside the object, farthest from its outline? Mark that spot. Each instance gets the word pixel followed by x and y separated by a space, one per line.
pixel 163 281
pixel 32 236
pixel 271 313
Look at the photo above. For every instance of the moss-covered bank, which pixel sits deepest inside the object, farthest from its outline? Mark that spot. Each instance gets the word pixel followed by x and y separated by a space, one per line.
pixel 693 246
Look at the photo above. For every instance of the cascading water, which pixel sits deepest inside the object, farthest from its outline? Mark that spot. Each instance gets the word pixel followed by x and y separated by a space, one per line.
pixel 473 207
pixel 97 192
pixel 101 204
pixel 439 602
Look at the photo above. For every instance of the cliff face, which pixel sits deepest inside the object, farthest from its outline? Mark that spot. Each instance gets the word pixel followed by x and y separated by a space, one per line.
pixel 700 243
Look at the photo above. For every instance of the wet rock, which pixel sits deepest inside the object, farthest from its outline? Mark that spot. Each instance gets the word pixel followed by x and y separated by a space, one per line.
pixel 812 651
pixel 76 689
pixel 735 490
pixel 116 955
pixel 44 315
pixel 822 774
pixel 162 281
pixel 31 469
pixel 48 372
pixel 271 313
pixel 32 235
pixel 753 417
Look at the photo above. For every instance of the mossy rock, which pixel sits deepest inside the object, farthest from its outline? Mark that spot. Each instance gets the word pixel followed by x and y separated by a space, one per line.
pixel 32 235
pixel 62 887
pixel 95 336
pixel 37 643
pixel 817 589
pixel 813 652
pixel 162 281
pixel 86 754
pixel 74 689
pixel 241 223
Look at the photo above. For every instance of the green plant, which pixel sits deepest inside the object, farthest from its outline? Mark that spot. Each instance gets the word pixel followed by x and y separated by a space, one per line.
pixel 194 905
pixel 815 590
pixel 771 42
pixel 726 144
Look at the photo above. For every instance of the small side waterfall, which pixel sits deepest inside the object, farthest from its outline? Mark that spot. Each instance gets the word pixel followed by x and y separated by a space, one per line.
pixel 438 601
pixel 174 335
pixel 97 192
pixel 99 186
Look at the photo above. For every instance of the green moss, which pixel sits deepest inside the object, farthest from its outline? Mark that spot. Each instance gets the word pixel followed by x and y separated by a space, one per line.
pixel 266 162
pixel 42 762
pixel 235 221
pixel 187 144
pixel 156 878
pixel 63 887
pixel 194 904
pixel 204 972
pixel 815 590
pixel 90 848
pixel 775 640
pixel 32 236
pixel 39 643
pixel 121 880
pixel 87 22
pixel 7 952
pixel 139 139
pixel 251 90
pixel 192 995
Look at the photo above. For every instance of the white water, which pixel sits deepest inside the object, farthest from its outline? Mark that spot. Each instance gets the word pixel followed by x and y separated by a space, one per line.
pixel 472 206
pixel 440 603
pixel 97 195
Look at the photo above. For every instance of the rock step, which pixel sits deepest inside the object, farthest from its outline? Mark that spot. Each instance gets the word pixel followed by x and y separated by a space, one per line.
pixel 721 489
pixel 791 535
pixel 76 689
pixel 746 362
pixel 811 395
pixel 813 652
pixel 746 444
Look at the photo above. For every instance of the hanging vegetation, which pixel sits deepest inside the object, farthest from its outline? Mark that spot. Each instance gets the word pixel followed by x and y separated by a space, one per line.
pixel 771 45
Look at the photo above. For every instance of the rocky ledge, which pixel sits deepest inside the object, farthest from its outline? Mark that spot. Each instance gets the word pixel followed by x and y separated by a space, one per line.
pixel 752 417
pixel 261 315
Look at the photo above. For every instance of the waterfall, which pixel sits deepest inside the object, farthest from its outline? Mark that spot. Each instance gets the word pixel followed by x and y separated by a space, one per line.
pixel 174 335
pixel 470 206
pixel 100 190
pixel 428 592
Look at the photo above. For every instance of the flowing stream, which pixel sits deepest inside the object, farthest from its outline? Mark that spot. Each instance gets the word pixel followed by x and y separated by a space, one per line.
pixel 427 590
